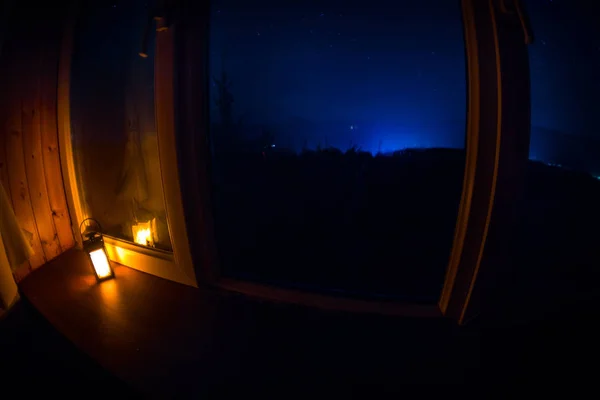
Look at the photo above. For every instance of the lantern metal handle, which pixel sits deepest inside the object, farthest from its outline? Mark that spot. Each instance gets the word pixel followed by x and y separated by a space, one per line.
pixel 89 219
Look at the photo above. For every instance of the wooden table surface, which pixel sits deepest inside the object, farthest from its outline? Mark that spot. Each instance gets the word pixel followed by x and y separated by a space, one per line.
pixel 168 339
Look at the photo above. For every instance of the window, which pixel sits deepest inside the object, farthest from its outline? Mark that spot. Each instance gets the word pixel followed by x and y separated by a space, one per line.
pixel 557 244
pixel 337 133
pixel 565 80
pixel 113 122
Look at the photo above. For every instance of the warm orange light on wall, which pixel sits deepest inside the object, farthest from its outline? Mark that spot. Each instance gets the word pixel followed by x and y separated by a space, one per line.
pixel 144 232
pixel 93 245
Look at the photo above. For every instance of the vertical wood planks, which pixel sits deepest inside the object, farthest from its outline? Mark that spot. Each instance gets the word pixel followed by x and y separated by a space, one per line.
pixel 50 150
pixel 19 186
pixel 32 148
pixel 30 165
pixel 3 134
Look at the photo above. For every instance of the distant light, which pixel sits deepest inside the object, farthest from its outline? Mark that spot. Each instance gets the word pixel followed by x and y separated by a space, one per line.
pixel 351 127
pixel 144 233
pixel 272 145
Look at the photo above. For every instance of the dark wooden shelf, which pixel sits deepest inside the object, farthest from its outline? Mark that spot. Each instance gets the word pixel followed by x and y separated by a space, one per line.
pixel 164 338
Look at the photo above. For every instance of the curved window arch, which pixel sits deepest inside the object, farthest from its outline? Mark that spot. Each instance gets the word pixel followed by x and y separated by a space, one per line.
pixel 492 33
pixel 337 134
pixel 495 151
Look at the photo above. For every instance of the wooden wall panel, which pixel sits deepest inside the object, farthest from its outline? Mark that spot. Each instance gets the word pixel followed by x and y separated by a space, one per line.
pixel 34 165
pixel 3 127
pixel 50 150
pixel 19 185
pixel 30 166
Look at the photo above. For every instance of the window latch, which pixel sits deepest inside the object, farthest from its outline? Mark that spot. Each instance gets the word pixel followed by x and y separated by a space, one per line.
pixel 162 15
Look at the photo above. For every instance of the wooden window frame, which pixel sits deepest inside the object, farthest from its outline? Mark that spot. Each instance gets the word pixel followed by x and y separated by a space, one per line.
pixel 497 145
pixel 497 140
pixel 177 265
pixel 498 134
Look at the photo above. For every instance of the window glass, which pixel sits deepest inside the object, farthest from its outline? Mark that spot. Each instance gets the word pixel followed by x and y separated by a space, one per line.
pixel 557 237
pixel 338 131
pixel 113 127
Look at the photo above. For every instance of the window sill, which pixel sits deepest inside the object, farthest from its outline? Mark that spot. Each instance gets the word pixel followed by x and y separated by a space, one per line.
pixel 152 261
pixel 326 302
pixel 163 338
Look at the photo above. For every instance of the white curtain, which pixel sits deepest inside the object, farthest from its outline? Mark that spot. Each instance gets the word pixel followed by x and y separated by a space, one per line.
pixel 8 286
pixel 15 249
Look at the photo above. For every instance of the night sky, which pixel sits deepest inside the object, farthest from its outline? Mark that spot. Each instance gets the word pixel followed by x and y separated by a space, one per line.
pixel 565 65
pixel 345 70
pixel 565 83
pixel 391 74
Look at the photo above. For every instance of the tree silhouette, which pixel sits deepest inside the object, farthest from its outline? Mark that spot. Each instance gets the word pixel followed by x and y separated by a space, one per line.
pixel 224 100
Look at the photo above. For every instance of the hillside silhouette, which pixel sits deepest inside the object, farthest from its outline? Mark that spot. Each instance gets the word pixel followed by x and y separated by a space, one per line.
pixel 380 224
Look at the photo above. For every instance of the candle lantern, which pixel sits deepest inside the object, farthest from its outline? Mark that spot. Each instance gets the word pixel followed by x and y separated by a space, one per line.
pixel 93 245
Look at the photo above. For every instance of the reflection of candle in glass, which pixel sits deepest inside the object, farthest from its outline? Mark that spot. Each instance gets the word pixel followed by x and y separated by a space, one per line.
pixel 142 233
pixel 143 237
